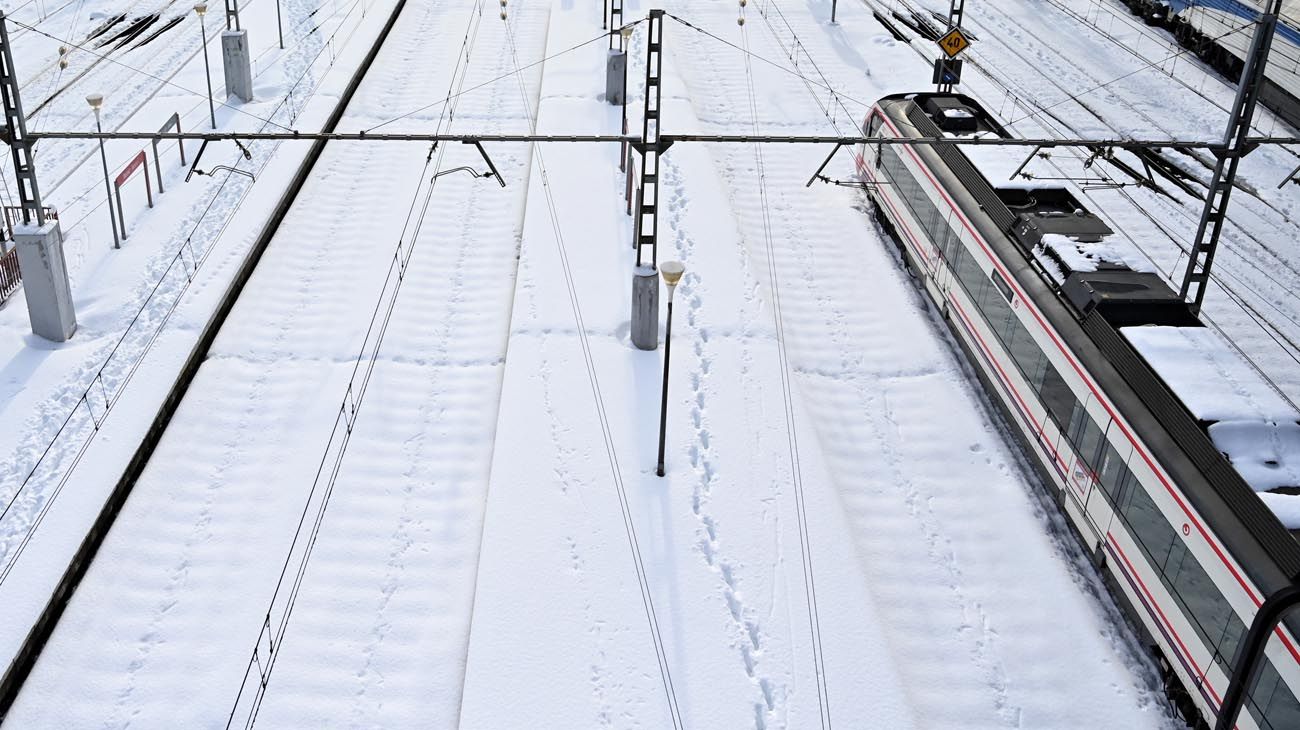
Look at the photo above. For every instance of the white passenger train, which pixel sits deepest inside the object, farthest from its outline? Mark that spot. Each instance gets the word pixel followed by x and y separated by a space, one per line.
pixel 1220 31
pixel 1174 461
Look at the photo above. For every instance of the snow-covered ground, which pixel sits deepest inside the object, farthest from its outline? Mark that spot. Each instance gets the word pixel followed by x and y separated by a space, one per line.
pixel 844 535
pixel 923 618
pixel 197 552
pixel 151 297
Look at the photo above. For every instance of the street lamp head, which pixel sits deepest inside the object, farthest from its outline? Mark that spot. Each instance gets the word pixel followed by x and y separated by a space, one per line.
pixel 672 272
pixel 626 31
pixel 201 9
pixel 96 101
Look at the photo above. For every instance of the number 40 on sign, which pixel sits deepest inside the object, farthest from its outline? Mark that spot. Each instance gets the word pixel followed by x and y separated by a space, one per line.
pixel 954 43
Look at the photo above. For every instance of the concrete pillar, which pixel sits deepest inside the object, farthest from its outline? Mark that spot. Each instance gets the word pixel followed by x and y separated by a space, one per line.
pixel 645 307
pixel 616 77
pixel 238 63
pixel 45 280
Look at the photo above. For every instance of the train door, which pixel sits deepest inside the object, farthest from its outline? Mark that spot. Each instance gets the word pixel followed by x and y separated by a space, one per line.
pixel 1086 434
pixel 1112 476
pixel 869 155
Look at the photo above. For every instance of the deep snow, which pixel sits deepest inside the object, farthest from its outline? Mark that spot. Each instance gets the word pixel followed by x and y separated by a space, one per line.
pixel 474 568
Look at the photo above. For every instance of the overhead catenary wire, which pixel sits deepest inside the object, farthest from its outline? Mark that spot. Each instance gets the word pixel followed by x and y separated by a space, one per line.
pixel 796 46
pixel 750 54
pixel 349 407
pixel 1269 328
pixel 611 451
pixel 81 408
pixel 489 82
pixel 129 67
pixel 1044 116
pixel 792 436
pixel 1148 66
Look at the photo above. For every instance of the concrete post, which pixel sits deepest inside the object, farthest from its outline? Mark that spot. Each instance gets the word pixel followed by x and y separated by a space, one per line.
pixel 45 280
pixel 645 307
pixel 616 77
pixel 238 63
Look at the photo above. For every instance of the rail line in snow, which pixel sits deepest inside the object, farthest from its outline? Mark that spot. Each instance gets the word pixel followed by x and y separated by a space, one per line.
pixel 17 672
pixel 1048 116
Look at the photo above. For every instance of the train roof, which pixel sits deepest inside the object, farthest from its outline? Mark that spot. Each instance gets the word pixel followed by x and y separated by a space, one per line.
pixel 1238 431
pixel 1046 219
pixel 1248 421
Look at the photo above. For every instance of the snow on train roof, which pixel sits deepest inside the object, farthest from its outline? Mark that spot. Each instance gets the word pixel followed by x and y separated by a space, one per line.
pixel 997 163
pixel 1250 422
pixel 1213 380
pixel 1089 256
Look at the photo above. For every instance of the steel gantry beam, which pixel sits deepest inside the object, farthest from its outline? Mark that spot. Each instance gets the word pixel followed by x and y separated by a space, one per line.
pixel 1236 144
pixel 14 133
pixel 667 140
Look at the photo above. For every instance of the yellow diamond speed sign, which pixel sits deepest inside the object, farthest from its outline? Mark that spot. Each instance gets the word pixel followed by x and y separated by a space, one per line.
pixel 953 43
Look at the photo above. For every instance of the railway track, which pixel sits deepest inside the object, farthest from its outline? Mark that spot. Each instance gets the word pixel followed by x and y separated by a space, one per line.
pixel 1240 231
pixel 44 460
pixel 303 310
pixel 1239 240
pixel 25 659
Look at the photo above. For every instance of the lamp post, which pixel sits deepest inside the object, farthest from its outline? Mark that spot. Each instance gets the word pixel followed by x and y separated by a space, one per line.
pixel 672 272
pixel 96 102
pixel 279 28
pixel 202 9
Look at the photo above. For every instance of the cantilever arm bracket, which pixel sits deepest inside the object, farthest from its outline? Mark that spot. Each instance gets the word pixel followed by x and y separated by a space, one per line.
pixel 195 167
pixel 818 175
pixel 494 172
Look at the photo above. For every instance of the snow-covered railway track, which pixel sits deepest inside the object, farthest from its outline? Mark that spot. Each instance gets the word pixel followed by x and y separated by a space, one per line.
pixel 1258 296
pixel 931 574
pixel 215 503
pixel 1257 314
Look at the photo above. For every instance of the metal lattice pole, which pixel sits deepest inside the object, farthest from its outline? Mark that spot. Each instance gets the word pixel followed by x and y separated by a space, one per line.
pixel 956 13
pixel 1235 146
pixel 14 133
pixel 651 146
pixel 615 23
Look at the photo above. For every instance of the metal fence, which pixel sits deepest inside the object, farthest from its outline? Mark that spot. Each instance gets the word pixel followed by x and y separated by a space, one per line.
pixel 10 276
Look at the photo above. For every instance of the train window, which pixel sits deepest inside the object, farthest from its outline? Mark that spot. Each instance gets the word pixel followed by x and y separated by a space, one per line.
pixel 874 124
pixel 1057 396
pixel 971 275
pixel 996 311
pixel 1085 434
pixel 1271 702
pixel 1112 470
pixel 951 243
pixel 1211 615
pixel 1127 483
pixel 1002 286
pixel 1228 643
pixel 1150 527
pixel 1029 358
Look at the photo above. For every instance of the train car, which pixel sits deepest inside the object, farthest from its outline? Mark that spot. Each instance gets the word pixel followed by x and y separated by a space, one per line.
pixel 1174 461
pixel 1220 31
